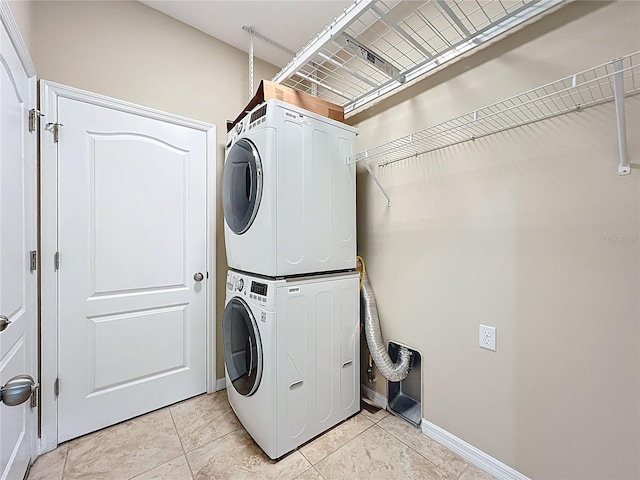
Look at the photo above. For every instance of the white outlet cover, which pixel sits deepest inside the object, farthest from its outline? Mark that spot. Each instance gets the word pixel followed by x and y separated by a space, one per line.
pixel 487 337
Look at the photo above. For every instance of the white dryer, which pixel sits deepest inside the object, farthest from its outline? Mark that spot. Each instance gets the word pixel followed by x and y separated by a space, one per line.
pixel 291 350
pixel 288 195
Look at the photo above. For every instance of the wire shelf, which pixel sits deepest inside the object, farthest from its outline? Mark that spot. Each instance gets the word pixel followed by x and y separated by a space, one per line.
pixel 375 46
pixel 582 90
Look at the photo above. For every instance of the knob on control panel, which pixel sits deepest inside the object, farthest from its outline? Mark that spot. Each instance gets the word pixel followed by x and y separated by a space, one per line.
pixel 240 284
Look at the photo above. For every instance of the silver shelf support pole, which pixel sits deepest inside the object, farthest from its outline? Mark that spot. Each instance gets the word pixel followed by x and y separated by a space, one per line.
pixel 618 92
pixel 252 35
pixel 314 75
pixel 250 64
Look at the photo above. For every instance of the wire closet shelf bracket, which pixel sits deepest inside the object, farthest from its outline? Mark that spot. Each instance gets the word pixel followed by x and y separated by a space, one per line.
pixel 613 80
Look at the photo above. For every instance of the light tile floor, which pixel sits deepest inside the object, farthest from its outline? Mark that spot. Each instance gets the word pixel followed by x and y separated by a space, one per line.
pixel 201 439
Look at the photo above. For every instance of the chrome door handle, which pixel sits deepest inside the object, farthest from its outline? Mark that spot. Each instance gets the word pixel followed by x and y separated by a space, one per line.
pixel 17 390
pixel 198 277
pixel 4 322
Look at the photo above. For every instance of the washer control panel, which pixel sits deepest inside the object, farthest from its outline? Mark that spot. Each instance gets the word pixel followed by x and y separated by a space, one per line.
pixel 248 288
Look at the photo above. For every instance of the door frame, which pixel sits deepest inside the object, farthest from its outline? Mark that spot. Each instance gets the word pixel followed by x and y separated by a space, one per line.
pixel 50 92
pixel 8 22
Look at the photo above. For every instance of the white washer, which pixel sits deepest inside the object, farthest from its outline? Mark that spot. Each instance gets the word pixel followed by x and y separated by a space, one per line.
pixel 293 374
pixel 288 195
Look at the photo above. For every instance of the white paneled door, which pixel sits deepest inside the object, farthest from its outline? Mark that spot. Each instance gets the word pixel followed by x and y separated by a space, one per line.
pixel 18 283
pixel 132 262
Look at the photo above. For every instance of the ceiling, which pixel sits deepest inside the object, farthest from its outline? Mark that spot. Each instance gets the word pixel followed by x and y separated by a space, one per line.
pixel 290 23
pixel 358 51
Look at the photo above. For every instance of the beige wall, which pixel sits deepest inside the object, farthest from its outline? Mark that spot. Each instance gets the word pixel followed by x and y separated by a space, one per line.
pixel 22 11
pixel 508 230
pixel 511 230
pixel 131 52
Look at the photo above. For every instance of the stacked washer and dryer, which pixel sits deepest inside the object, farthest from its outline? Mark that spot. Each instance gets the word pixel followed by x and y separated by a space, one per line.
pixel 291 322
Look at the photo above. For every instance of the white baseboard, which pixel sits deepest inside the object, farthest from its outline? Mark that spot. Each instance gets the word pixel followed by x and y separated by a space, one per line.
pixel 221 384
pixel 470 453
pixel 375 397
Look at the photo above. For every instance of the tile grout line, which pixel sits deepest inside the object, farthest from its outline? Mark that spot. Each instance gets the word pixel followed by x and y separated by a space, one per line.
pixel 304 456
pixel 314 464
pixel 177 435
pixel 417 452
pixel 193 476
pixel 218 439
pixel 298 476
pixel 184 451
pixel 173 420
pixel 218 415
pixel 373 424
pixel 312 467
pixel 240 427
pixel 157 466
pixel 64 464
pixel 464 471
pixel 316 470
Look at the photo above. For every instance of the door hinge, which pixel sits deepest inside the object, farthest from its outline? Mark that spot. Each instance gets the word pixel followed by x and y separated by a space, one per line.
pixel 56 261
pixel 56 387
pixel 33 261
pixel 35 395
pixel 56 130
pixel 34 114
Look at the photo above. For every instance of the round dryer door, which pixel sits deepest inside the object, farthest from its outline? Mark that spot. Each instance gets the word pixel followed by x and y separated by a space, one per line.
pixel 242 347
pixel 241 185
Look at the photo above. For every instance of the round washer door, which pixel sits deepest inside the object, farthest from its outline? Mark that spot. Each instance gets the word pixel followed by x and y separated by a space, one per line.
pixel 241 185
pixel 242 347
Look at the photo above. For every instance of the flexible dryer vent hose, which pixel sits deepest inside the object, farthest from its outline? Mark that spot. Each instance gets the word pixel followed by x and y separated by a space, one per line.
pixel 394 372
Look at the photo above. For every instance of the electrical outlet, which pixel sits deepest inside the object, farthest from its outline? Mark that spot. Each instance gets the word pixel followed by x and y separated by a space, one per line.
pixel 487 337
